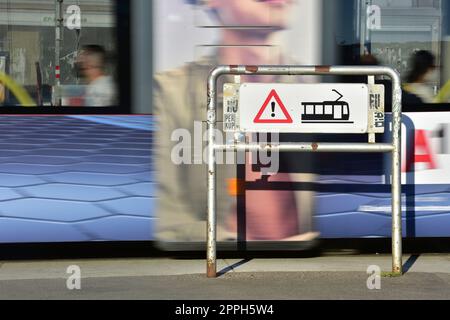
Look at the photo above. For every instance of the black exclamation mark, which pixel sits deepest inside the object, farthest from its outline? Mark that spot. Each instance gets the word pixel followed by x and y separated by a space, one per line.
pixel 273 109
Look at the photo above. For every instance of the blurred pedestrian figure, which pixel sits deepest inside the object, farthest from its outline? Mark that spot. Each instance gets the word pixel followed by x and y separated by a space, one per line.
pixel 100 91
pixel 422 73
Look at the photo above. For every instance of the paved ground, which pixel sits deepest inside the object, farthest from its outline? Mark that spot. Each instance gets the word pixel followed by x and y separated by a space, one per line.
pixel 327 277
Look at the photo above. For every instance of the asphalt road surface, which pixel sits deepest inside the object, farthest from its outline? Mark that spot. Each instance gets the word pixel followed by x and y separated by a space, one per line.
pixel 332 277
pixel 243 286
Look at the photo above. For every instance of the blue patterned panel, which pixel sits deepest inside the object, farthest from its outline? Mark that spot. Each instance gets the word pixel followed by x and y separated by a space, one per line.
pixel 76 179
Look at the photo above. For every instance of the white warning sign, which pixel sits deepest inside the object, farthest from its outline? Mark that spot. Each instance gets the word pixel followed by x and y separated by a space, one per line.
pixel 304 108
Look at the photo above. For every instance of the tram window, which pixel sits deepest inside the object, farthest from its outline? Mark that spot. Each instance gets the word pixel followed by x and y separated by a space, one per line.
pixel 87 72
pixel 338 112
pixel 411 36
pixel 319 109
pixel 309 109
pixel 328 109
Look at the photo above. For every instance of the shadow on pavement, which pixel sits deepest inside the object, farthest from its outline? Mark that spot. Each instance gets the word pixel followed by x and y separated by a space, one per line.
pixel 232 267
pixel 410 262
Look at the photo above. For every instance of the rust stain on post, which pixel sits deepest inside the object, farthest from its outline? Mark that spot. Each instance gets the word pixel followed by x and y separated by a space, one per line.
pixel 234 68
pixel 315 146
pixel 323 69
pixel 251 69
pixel 211 270
pixel 397 270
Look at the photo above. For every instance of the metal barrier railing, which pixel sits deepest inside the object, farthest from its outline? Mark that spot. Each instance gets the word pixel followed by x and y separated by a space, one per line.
pixel 394 148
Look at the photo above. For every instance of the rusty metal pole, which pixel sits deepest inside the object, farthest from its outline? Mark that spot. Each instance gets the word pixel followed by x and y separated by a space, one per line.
pixel 211 239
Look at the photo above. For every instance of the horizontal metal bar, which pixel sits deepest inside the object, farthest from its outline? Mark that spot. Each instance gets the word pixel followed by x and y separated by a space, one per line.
pixel 304 70
pixel 309 147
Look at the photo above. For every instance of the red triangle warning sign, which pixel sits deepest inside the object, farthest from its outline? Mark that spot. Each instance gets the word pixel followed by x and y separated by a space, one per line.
pixel 271 116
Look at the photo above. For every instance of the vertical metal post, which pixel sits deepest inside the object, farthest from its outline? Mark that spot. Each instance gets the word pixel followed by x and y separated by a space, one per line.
pixel 211 240
pixel 397 265
pixel 59 22
pixel 362 26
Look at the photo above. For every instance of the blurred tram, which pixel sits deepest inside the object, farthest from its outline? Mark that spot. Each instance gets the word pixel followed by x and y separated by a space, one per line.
pixel 79 173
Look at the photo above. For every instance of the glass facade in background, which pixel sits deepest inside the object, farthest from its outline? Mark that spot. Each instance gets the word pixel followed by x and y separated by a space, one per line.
pixel 28 50
pixel 411 36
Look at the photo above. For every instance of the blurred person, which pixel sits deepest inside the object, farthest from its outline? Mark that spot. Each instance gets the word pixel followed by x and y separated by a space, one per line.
pixel 422 73
pixel 180 99
pixel 100 90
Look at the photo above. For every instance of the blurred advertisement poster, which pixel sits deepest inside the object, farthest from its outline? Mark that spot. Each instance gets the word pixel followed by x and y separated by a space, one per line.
pixel 233 32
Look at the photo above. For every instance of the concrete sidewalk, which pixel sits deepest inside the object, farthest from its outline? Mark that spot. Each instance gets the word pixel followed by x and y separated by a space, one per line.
pixel 327 277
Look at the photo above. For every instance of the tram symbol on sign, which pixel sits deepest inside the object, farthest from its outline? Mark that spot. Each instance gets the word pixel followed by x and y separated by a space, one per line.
pixel 336 112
